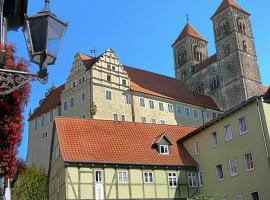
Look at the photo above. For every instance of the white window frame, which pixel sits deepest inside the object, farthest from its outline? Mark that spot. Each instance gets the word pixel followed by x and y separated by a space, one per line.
pixel 178 111
pixel 151 104
pixel 193 177
pixel 200 178
pixel 237 196
pixel 240 131
pixel 212 134
pixel 170 108
pixel 146 177
pixel 143 121
pixel 246 166
pixel 193 114
pixel 123 118
pixel 219 179
pixel 197 147
pixel 231 134
pixel 115 117
pixel 101 176
pixel 231 167
pixel 162 121
pixel 250 194
pixel 161 106
pixel 142 102
pixel 108 95
pixel 187 109
pixel 120 174
pixel 83 96
pixel 128 99
pixel 173 176
pixel 153 121
pixel 166 149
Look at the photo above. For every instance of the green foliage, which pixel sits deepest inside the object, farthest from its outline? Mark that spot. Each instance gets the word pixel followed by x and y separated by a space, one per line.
pixel 32 185
pixel 201 198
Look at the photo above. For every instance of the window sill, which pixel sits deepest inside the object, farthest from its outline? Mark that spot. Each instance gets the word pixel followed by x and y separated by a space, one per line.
pixel 220 180
pixel 243 133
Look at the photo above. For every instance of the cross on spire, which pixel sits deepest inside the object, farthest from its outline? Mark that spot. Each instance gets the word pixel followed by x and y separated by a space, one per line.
pixel 187 18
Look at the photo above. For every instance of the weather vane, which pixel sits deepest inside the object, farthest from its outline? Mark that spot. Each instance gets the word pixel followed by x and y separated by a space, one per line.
pixel 187 18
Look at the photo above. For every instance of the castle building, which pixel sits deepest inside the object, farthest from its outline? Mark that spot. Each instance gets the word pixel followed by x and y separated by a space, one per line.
pixel 231 76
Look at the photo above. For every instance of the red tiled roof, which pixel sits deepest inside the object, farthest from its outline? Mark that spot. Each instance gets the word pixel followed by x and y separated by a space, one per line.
pixel 206 63
pixel 88 61
pixel 101 141
pixel 51 101
pixel 163 86
pixel 188 31
pixel 264 89
pixel 229 3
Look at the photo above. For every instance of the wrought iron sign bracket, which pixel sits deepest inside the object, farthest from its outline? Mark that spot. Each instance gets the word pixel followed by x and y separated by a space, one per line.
pixel 11 80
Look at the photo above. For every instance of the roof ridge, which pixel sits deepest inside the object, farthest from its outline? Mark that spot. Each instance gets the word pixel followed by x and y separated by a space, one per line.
pixel 228 3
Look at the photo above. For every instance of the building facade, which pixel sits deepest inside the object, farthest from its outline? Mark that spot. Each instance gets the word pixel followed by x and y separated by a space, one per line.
pixel 231 76
pixel 233 152
pixel 125 160
pixel 102 88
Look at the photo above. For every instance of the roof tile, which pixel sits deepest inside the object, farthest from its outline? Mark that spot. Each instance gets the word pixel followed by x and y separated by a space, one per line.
pixel 228 3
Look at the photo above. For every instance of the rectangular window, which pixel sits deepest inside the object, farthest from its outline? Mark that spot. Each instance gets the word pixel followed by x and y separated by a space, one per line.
pixel 98 176
pixel 115 117
pixel 164 149
pixel 209 115
pixel 195 114
pixel 71 102
pixel 161 106
pixel 123 118
pixel 214 139
pixel 128 99
pixel 36 123
pixel 238 197
pixel 108 95
pixel 65 105
pixel 172 179
pixel 143 119
pixel 153 121
pixel 228 132
pixel 83 96
pixel 42 120
pixel 124 82
pixel 170 108
pixel 148 177
pixel 59 111
pixel 233 167
pixel 83 115
pixel 109 78
pixel 200 175
pixel 122 177
pixel 51 116
pixel 162 121
pixel 214 115
pixel 192 179
pixel 196 147
pixel 142 103
pixel 151 104
pixel 249 162
pixel 242 122
pixel 219 172
pixel 187 112
pixel 178 111
pixel 254 196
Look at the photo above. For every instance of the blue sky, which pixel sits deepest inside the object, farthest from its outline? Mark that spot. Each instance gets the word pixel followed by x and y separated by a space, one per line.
pixel 141 32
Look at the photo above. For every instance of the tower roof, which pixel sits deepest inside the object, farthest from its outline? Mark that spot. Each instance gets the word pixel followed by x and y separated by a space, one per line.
pixel 188 31
pixel 229 3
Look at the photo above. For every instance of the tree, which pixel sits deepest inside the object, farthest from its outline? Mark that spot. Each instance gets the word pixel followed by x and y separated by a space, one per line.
pixel 31 185
pixel 201 198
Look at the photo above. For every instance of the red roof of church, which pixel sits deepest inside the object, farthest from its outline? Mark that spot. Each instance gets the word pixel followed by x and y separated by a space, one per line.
pixel 229 3
pixel 188 31
pixel 103 141
pixel 206 62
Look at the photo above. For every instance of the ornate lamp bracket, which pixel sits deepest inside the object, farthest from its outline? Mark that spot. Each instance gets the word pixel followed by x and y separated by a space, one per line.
pixel 11 80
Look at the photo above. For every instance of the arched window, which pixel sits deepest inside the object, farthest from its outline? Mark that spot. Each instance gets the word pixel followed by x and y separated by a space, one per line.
pixel 198 55
pixel 224 28
pixel 245 48
pixel 241 26
pixel 182 57
pixel 227 49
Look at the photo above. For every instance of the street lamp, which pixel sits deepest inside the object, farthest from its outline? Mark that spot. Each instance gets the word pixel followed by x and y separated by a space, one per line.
pixel 43 34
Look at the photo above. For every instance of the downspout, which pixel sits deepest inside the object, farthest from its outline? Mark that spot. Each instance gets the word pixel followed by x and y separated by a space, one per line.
pixel 263 131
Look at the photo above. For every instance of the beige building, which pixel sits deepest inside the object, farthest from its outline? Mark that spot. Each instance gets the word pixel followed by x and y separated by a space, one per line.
pixel 103 88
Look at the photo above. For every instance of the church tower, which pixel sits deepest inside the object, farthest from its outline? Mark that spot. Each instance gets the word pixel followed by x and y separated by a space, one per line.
pixel 236 54
pixel 189 49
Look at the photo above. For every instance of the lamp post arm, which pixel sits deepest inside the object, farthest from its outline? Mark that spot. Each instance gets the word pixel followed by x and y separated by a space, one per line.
pixel 11 80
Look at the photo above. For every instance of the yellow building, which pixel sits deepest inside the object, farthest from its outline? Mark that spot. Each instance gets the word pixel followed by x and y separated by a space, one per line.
pixel 232 152
pixel 99 159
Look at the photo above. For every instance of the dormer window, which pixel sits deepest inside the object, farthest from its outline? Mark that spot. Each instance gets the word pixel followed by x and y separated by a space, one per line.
pixel 164 149
pixel 162 144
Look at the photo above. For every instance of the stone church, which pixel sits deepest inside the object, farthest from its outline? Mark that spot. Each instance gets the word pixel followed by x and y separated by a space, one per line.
pixel 230 76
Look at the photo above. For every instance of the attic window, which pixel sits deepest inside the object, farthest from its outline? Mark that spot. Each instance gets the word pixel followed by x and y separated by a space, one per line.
pixel 164 149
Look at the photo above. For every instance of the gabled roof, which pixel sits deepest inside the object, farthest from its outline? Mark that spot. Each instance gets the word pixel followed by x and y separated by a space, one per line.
pixel 161 136
pixel 189 31
pixel 229 3
pixel 163 86
pixel 88 61
pixel 51 102
pixel 101 141
pixel 206 63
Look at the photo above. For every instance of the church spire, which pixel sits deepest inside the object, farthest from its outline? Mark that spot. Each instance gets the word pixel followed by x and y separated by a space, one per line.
pixel 188 31
pixel 229 3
